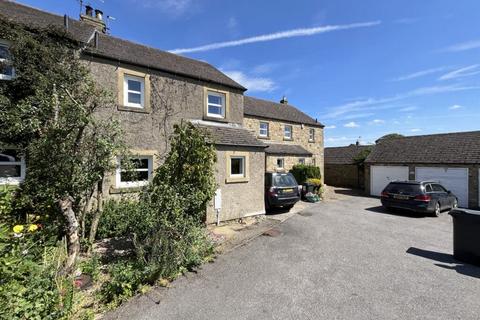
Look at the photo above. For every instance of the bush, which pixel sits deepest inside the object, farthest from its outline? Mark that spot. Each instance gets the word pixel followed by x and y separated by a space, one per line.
pixel 126 279
pixel 6 203
pixel 91 267
pixel 30 284
pixel 118 219
pixel 302 172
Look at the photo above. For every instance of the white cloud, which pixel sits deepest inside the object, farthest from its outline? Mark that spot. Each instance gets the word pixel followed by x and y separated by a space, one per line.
pixel 415 130
pixel 232 23
pixel 455 107
pixel 303 32
pixel 265 68
pixel 336 139
pixel 469 45
pixel 174 7
pixel 251 83
pixel 408 109
pixel 330 127
pixel 419 74
pixel 375 104
pixel 351 124
pixel 377 121
pixel 462 72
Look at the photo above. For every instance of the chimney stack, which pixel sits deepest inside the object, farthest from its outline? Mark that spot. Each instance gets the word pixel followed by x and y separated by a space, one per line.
pixel 95 21
pixel 284 100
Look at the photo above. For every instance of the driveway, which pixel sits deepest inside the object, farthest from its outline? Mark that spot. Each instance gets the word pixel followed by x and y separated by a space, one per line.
pixel 343 259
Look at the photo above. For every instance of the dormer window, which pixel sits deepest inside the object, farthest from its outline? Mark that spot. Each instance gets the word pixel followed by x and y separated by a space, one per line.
pixel 7 72
pixel 134 91
pixel 216 102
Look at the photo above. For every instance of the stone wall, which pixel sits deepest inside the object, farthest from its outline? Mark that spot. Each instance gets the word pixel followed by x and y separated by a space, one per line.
pixel 473 178
pixel 173 99
pixel 300 137
pixel 240 199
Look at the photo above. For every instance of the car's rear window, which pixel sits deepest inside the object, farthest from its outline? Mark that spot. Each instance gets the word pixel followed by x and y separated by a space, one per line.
pixel 404 188
pixel 283 180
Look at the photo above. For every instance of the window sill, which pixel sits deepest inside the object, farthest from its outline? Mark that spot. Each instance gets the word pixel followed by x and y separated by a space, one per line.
pixel 133 109
pixel 236 180
pixel 311 141
pixel 205 117
pixel 264 137
pixel 122 190
pixel 287 139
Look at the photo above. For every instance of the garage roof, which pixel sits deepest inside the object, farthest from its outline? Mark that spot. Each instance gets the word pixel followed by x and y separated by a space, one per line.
pixel 343 155
pixel 446 148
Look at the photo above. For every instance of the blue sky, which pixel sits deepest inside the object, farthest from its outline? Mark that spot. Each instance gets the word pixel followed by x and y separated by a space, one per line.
pixel 363 68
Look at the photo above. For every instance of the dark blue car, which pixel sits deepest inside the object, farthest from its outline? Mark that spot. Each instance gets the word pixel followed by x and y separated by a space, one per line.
pixel 420 196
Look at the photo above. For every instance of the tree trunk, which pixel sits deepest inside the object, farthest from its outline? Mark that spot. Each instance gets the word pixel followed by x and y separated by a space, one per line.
pixel 73 241
pixel 98 213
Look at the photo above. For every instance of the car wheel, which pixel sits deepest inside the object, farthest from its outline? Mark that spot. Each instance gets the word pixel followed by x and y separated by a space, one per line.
pixel 290 206
pixel 437 210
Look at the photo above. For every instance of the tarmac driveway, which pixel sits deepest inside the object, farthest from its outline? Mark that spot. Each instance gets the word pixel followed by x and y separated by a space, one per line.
pixel 344 259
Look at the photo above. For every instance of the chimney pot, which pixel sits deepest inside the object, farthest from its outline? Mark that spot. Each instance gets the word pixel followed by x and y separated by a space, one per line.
pixel 99 14
pixel 284 100
pixel 88 11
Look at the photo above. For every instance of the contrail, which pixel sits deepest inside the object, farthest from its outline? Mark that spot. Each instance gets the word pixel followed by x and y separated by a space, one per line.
pixel 303 32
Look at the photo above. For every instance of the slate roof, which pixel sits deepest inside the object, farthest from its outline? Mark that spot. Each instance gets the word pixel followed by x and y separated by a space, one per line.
pixel 447 148
pixel 277 111
pixel 343 155
pixel 35 18
pixel 232 136
pixel 118 49
pixel 290 149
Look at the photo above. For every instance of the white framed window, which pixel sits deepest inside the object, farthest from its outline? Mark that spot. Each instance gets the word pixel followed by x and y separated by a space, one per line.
pixel 133 91
pixel 216 104
pixel 311 135
pixel 237 167
pixel 12 166
pixel 280 163
pixel 264 128
pixel 301 160
pixel 134 172
pixel 287 132
pixel 7 72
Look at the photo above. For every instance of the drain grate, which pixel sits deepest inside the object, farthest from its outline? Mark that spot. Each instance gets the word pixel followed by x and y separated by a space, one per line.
pixel 272 233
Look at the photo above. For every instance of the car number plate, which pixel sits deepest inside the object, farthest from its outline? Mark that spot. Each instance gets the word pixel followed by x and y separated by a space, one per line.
pixel 400 196
pixel 287 190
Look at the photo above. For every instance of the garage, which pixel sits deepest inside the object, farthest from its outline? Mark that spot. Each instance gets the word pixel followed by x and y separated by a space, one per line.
pixel 383 175
pixel 454 179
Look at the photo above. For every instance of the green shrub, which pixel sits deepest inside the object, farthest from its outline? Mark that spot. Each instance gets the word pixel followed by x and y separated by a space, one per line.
pixel 119 218
pixel 126 279
pixel 6 203
pixel 302 172
pixel 91 267
pixel 30 284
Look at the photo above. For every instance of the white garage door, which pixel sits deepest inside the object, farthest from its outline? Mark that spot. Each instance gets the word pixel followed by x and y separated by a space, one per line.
pixel 380 176
pixel 454 179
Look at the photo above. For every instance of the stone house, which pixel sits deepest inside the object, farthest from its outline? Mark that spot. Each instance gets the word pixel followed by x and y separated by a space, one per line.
pixel 292 136
pixel 341 170
pixel 453 159
pixel 154 90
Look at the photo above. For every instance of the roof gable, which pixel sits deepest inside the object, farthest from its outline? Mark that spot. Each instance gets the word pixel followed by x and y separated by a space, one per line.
pixel 447 148
pixel 277 111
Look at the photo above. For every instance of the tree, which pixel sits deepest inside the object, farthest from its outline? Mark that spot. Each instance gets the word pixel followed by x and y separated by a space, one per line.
pixel 48 112
pixel 389 136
